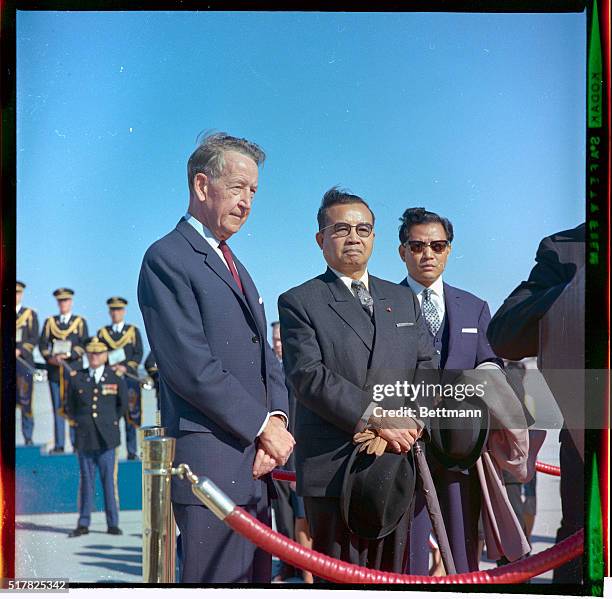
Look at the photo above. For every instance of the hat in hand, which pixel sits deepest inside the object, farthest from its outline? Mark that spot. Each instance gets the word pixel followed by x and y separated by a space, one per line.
pixel 457 442
pixel 377 489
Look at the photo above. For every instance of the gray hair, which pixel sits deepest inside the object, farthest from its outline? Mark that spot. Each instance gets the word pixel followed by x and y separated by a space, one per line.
pixel 208 157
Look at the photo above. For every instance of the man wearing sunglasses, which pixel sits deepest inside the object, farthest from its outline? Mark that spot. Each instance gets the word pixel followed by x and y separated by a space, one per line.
pixel 457 323
pixel 343 333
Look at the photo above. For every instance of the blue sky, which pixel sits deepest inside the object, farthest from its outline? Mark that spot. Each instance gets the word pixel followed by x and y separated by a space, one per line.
pixel 477 117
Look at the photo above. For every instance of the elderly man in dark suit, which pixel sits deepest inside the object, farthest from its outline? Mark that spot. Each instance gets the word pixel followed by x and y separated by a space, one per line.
pixel 343 332
pixel 457 325
pixel 514 332
pixel 222 390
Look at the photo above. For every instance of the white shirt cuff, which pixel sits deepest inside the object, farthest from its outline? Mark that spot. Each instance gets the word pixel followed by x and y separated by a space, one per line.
pixel 274 413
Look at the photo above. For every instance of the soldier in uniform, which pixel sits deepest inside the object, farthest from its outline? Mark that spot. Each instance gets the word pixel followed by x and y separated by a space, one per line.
pixel 26 337
pixel 125 344
pixel 151 368
pixel 61 345
pixel 97 399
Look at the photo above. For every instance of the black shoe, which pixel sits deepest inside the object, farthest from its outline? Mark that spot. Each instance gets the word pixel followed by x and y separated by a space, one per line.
pixel 114 530
pixel 132 456
pixel 78 531
pixel 56 450
pixel 29 442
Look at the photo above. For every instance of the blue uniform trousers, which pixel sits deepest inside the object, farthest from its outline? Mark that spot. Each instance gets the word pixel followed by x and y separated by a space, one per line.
pixel 59 423
pixel 27 425
pixel 106 462
pixel 130 437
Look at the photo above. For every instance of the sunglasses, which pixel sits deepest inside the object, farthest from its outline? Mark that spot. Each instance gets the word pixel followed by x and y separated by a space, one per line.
pixel 417 247
pixel 344 229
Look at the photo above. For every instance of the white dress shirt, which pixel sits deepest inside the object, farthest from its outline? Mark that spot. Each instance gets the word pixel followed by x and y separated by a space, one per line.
pixel 214 244
pixel 65 318
pixel 17 308
pixel 96 374
pixel 437 294
pixel 365 279
pixel 118 327
pixel 207 235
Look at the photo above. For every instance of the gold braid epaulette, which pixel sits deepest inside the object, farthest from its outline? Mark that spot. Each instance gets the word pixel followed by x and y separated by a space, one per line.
pixel 129 337
pixel 63 334
pixel 25 319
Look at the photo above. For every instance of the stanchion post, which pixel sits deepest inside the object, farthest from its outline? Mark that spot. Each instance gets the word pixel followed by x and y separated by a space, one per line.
pixel 158 527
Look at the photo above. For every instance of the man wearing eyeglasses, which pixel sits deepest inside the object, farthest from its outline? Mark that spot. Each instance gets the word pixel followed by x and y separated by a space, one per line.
pixel 341 332
pixel 457 324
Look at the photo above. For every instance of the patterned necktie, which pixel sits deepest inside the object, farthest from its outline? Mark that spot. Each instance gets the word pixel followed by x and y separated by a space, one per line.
pixel 430 312
pixel 227 254
pixel 365 299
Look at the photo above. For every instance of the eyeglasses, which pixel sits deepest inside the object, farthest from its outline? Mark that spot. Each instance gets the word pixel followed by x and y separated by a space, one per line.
pixel 417 247
pixel 344 229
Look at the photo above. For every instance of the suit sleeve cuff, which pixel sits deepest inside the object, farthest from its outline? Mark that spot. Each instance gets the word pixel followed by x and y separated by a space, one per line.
pixel 365 418
pixel 492 364
pixel 263 426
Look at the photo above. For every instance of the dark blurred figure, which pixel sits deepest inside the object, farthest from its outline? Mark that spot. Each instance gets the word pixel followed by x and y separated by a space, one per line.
pixel 289 507
pixel 151 368
pixel 26 338
pixel 515 332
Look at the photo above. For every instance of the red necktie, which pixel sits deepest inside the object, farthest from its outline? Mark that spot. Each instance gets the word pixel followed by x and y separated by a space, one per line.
pixel 227 254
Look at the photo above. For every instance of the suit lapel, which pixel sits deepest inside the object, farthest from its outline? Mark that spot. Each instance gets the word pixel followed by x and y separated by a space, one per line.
pixel 451 302
pixel 212 259
pixel 252 296
pixel 384 324
pixel 348 308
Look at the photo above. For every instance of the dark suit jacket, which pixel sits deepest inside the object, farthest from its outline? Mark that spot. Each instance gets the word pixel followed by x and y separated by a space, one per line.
pixel 96 409
pixel 332 360
pixel 465 350
pixel 465 311
pixel 514 329
pixel 218 375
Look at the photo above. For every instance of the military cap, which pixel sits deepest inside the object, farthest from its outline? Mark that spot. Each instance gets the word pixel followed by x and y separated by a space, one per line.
pixel 20 286
pixel 63 293
pixel 116 302
pixel 95 346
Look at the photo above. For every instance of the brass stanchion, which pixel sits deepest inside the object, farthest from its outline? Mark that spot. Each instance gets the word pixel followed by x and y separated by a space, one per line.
pixel 158 527
pixel 150 431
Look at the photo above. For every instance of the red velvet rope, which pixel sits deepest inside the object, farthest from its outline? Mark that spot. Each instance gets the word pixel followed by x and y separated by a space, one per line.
pixel 289 475
pixel 548 468
pixel 337 571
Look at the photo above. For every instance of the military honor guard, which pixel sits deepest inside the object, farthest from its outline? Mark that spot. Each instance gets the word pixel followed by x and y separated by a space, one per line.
pixel 62 346
pixel 97 399
pixel 26 337
pixel 125 345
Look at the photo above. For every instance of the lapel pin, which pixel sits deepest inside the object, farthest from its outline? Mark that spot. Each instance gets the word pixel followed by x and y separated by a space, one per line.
pixel 388 308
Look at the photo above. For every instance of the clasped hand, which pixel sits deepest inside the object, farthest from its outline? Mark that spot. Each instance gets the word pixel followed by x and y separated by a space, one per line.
pixel 274 446
pixel 399 433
